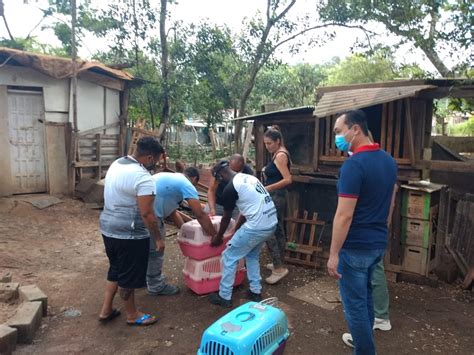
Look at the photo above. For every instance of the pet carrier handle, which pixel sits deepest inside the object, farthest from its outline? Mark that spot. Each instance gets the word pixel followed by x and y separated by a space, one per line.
pixel 249 315
pixel 271 301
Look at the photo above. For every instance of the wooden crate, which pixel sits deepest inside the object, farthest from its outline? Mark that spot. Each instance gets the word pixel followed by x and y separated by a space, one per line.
pixel 420 201
pixel 419 260
pixel 303 247
pixel 418 232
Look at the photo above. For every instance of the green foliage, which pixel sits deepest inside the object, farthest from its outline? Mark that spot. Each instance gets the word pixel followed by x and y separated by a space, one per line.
pixel 465 129
pixel 33 45
pixel 361 69
pixel 429 24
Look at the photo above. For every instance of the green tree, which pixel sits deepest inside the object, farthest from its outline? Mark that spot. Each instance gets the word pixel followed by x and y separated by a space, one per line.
pixel 431 25
pixel 360 68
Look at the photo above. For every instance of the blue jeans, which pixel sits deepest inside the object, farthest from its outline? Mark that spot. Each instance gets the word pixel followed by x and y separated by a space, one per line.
pixel 356 267
pixel 246 243
pixel 154 276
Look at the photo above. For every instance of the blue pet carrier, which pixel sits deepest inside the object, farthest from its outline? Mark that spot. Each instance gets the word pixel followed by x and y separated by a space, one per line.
pixel 251 329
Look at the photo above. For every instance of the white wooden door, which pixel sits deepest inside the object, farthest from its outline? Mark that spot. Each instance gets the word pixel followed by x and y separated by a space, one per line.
pixel 26 134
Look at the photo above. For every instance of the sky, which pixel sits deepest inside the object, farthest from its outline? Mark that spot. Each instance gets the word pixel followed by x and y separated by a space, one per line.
pixel 22 18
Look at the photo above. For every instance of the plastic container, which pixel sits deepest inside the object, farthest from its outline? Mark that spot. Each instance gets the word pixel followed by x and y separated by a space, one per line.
pixel 195 243
pixel 251 329
pixel 204 276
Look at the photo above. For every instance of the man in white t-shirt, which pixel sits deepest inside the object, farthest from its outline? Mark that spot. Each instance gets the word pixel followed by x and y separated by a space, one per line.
pixel 256 224
pixel 126 223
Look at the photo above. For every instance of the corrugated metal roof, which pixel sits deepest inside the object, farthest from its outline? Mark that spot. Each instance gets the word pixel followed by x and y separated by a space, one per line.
pixel 285 112
pixel 339 101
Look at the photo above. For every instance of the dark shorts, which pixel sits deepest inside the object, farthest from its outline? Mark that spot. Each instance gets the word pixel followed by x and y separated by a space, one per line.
pixel 128 259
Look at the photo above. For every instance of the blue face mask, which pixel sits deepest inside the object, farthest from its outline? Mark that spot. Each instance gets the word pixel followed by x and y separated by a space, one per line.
pixel 341 143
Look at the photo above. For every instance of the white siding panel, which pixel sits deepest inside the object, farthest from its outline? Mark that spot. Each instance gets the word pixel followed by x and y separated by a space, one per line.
pixel 112 109
pixel 90 105
pixel 60 117
pixel 55 91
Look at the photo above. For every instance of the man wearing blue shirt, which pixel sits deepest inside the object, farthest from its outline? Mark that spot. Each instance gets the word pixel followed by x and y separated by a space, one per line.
pixel 366 188
pixel 171 190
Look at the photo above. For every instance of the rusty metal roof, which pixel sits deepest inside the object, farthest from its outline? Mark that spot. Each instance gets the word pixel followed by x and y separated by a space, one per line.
pixel 58 67
pixel 339 101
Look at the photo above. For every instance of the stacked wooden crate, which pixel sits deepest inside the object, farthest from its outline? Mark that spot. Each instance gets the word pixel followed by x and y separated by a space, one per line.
pixel 419 213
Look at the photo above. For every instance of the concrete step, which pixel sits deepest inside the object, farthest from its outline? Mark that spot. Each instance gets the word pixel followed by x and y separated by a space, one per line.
pixel 33 293
pixel 27 320
pixel 8 291
pixel 8 338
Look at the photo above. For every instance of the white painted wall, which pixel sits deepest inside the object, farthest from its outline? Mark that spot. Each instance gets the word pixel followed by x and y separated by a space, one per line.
pixel 55 91
pixel 57 103
pixel 112 112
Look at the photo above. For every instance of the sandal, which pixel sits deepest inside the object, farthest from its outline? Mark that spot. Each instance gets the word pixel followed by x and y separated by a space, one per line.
pixel 114 314
pixel 146 319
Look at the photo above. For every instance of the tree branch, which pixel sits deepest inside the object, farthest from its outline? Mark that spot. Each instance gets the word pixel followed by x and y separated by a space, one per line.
pixel 283 13
pixel 366 32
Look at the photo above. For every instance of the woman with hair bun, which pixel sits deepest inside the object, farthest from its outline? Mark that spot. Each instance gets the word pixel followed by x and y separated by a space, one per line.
pixel 277 178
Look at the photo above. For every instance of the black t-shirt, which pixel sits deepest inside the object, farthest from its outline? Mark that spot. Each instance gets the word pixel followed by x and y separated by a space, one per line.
pixel 220 188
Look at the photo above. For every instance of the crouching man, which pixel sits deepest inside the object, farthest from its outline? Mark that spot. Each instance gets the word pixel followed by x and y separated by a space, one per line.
pixel 256 224
pixel 171 189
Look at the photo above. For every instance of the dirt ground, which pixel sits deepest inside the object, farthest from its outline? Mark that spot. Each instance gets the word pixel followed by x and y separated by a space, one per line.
pixel 60 249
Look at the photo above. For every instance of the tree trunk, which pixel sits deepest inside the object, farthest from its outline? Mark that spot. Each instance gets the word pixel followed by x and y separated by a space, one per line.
pixel 435 60
pixel 164 72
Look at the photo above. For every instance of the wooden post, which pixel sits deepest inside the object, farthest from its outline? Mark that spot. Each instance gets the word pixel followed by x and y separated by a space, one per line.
pixel 98 154
pixel 259 148
pixel 391 108
pixel 74 66
pixel 409 125
pixel 383 131
pixel 248 138
pixel 316 144
pixel 398 124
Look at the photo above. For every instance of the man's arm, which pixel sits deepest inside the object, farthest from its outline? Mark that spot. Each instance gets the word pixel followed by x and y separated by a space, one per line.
pixel 217 239
pixel 145 205
pixel 340 228
pixel 201 217
pixel 177 219
pixel 241 220
pixel 392 205
pixel 211 196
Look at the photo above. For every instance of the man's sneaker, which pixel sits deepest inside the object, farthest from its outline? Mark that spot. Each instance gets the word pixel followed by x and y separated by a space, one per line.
pixel 276 276
pixel 382 324
pixel 217 300
pixel 347 339
pixel 270 267
pixel 166 290
pixel 256 297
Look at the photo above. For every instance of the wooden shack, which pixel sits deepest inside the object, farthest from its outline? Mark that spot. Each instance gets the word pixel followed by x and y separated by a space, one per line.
pixel 41 150
pixel 400 120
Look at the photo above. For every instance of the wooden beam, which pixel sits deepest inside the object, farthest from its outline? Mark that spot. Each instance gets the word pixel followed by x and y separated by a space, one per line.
pixel 98 129
pixel 145 132
pixel 316 145
pixel 305 221
pixel 451 166
pixel 411 143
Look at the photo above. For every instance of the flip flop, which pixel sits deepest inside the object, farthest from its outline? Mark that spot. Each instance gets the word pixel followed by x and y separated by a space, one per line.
pixel 114 314
pixel 144 320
